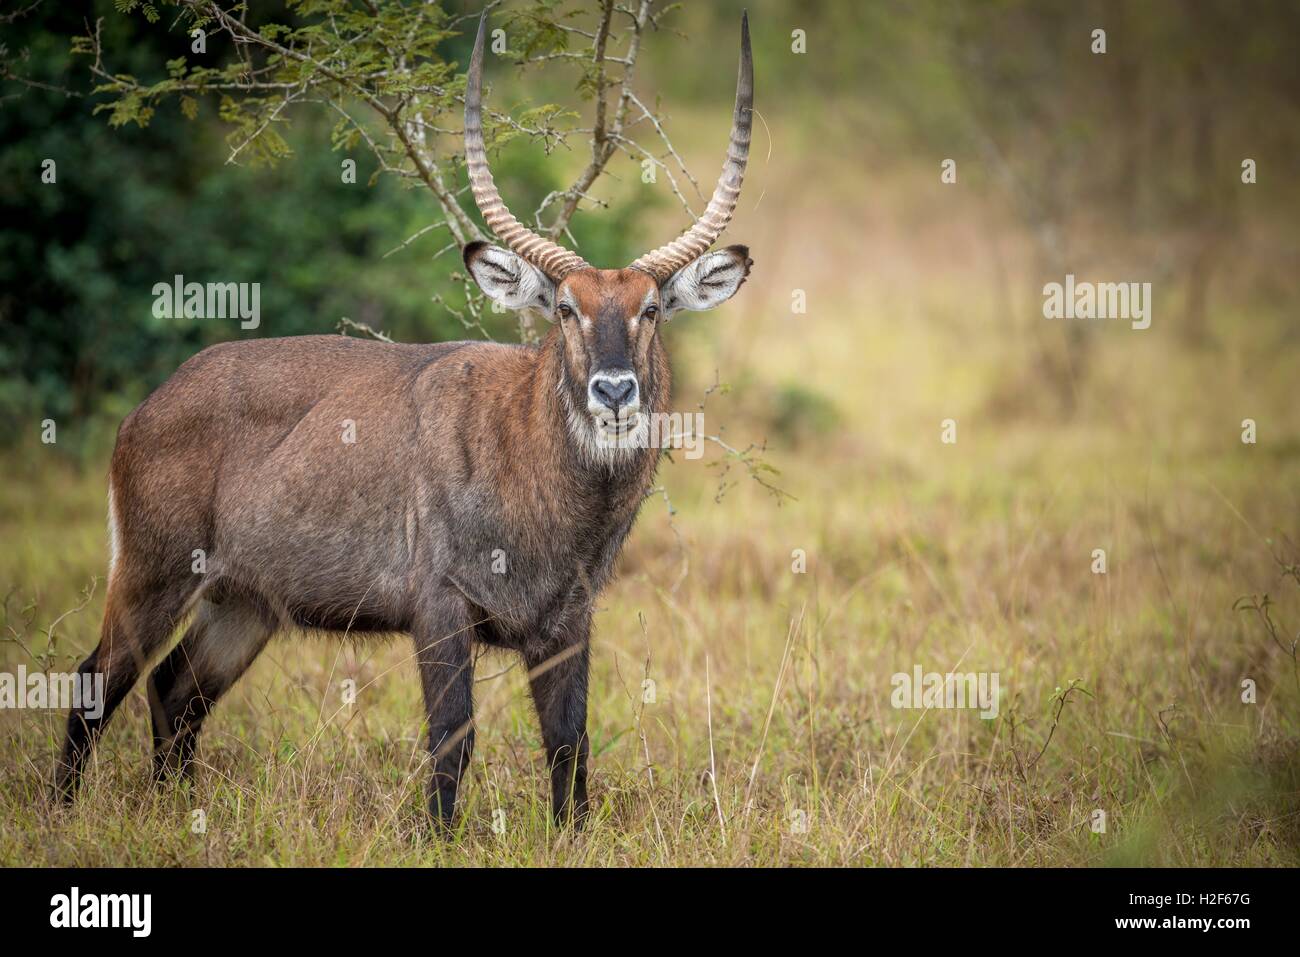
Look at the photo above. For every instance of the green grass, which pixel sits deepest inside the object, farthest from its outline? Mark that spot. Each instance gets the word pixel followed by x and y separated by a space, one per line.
pixel 772 688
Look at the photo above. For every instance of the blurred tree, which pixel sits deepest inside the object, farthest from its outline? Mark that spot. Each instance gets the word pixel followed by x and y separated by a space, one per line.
pixel 1136 149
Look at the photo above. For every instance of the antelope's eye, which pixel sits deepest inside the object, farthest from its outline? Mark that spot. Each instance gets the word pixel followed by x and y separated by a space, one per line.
pixel 565 310
pixel 650 312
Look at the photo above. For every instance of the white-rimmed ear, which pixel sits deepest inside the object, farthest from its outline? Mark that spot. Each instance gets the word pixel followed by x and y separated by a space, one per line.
pixel 508 279
pixel 709 281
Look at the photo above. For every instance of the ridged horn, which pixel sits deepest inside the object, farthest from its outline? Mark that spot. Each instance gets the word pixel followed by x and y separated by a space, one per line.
pixel 552 259
pixel 666 260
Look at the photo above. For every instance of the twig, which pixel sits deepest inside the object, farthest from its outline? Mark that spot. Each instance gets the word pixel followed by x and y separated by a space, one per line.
pixel 346 323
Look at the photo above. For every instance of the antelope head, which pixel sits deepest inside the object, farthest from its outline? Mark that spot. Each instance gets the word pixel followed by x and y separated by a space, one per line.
pixel 609 318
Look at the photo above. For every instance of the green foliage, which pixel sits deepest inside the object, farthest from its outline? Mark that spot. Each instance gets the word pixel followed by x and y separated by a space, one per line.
pixel 175 162
pixel 800 414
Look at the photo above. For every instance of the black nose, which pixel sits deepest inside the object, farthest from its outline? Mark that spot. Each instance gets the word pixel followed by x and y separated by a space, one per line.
pixel 613 393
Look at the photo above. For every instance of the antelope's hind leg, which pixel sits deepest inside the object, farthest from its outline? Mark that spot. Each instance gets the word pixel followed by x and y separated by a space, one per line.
pixel 140 615
pixel 224 639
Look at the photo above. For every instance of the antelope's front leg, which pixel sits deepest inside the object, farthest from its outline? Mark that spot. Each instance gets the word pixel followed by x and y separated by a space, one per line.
pixel 559 683
pixel 444 649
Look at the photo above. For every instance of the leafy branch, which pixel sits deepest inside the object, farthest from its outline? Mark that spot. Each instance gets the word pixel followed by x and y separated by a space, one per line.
pixel 377 69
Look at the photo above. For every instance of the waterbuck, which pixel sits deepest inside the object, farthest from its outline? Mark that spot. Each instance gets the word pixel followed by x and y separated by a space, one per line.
pixel 463 492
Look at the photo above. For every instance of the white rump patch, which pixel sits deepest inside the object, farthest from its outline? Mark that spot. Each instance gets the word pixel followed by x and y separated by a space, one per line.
pixel 112 531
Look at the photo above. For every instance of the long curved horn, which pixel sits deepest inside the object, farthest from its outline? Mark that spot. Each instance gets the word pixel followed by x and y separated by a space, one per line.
pixel 552 259
pixel 666 260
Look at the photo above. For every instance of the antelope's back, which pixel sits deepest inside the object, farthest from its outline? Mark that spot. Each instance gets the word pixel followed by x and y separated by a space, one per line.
pixel 243 395
pixel 283 459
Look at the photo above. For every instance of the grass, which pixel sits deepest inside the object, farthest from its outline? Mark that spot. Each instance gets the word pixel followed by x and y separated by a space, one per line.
pixel 771 739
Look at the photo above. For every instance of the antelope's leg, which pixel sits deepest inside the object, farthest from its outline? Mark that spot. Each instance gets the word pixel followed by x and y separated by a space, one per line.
pixel 444 638
pixel 559 684
pixel 219 646
pixel 139 617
